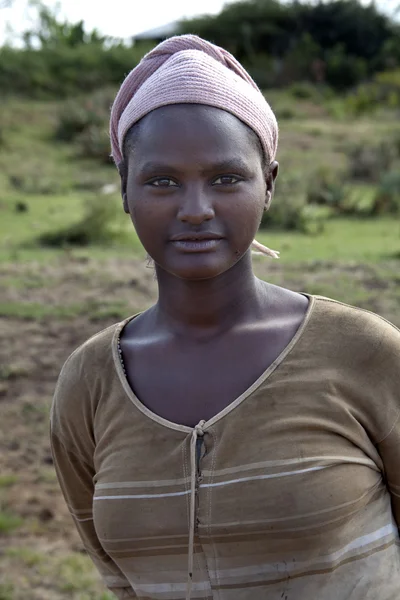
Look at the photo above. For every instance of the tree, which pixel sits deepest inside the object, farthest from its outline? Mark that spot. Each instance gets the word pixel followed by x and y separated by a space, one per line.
pixel 51 32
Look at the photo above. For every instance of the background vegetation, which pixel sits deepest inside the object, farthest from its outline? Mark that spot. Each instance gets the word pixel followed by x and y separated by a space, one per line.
pixel 71 264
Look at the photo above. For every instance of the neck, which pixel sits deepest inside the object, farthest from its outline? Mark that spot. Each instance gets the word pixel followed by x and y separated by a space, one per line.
pixel 210 306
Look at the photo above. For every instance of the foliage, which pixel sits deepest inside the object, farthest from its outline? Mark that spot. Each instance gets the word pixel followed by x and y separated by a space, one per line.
pixel 382 91
pixel 325 187
pixel 337 42
pixel 290 210
pixel 64 70
pixel 84 121
pixel 94 142
pixel 367 162
pixel 59 59
pixel 95 226
pixel 387 199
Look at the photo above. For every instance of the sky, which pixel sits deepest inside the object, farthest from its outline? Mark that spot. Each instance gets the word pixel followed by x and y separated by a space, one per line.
pixel 117 18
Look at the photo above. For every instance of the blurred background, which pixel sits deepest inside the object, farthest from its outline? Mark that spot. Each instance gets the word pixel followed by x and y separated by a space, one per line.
pixel 70 262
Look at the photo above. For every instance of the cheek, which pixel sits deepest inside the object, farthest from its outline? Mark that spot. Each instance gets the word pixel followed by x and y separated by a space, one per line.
pixel 245 212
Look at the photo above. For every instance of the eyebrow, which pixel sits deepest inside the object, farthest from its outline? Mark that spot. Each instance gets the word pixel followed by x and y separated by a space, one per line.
pixel 231 164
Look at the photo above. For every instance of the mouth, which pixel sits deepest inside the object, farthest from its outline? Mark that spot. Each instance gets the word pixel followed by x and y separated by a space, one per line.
pixel 196 242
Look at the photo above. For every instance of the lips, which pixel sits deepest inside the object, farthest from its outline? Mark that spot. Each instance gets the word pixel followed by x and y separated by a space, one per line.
pixel 196 237
pixel 206 241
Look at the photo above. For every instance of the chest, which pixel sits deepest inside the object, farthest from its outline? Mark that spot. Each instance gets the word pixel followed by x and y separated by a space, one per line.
pixel 269 480
pixel 188 383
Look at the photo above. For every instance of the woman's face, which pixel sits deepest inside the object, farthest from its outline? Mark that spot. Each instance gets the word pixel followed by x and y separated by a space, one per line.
pixel 195 187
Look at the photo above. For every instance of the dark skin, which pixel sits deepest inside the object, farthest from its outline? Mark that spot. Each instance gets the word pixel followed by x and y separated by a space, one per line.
pixel 196 170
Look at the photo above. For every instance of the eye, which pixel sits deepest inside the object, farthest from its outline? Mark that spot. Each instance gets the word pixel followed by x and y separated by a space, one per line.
pixel 226 180
pixel 163 182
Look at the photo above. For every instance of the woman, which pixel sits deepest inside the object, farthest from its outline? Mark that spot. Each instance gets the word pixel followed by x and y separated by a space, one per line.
pixel 236 440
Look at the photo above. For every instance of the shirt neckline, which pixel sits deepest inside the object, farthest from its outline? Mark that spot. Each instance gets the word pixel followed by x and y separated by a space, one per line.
pixel 234 404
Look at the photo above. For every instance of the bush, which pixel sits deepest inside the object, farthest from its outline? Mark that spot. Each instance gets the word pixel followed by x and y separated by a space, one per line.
pixel 290 210
pixel 97 226
pixel 326 188
pixel 62 71
pixel 382 92
pixel 387 199
pixel 368 162
pixel 84 121
pixel 82 114
pixel 94 142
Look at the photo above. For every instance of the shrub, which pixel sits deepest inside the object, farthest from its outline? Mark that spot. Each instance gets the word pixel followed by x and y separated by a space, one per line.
pixel 387 199
pixel 94 142
pixel 326 188
pixel 292 213
pixel 81 114
pixel 62 71
pixel 96 226
pixel 368 162
pixel 382 91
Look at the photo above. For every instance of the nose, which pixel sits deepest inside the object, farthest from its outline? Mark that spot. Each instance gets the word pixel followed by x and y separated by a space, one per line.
pixel 196 206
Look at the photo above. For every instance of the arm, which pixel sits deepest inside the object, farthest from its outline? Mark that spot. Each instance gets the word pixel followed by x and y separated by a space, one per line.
pixel 389 449
pixel 385 398
pixel 72 447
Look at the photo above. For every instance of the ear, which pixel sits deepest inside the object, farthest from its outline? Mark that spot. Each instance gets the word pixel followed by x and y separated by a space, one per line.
pixel 123 173
pixel 270 178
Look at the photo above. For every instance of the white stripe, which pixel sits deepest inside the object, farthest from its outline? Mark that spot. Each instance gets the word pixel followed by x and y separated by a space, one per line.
pixel 141 496
pixel 291 461
pixel 133 484
pixel 285 567
pixel 79 511
pixel 82 520
pixel 154 588
pixel 209 485
pixel 256 477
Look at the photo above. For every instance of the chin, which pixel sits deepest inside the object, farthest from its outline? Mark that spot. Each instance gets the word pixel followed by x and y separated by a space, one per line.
pixel 197 272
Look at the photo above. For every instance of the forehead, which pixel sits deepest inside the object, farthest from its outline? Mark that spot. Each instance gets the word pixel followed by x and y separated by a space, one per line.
pixel 193 132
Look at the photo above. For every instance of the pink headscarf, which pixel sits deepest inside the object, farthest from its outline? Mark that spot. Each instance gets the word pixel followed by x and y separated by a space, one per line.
pixel 189 70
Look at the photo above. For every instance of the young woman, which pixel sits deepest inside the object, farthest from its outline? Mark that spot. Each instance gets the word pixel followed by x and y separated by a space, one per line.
pixel 237 440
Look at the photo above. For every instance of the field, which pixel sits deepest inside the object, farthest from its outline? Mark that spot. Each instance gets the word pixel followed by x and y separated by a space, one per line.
pixel 53 298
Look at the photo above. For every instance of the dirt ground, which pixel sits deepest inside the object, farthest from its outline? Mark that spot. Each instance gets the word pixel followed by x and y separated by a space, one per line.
pixel 40 553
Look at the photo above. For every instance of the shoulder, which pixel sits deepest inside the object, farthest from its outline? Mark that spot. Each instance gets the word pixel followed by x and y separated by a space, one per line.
pixel 93 351
pixel 355 332
pixel 83 374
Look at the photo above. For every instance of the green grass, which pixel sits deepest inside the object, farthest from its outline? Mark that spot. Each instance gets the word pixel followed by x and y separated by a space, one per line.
pixel 6 591
pixel 343 239
pixel 8 480
pixel 38 311
pixel 9 522
pixel 28 557
pixel 75 573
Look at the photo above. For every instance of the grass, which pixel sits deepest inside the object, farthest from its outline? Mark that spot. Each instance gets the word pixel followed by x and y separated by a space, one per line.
pixel 37 311
pixel 8 480
pixel 6 591
pixel 9 522
pixel 27 556
pixel 367 240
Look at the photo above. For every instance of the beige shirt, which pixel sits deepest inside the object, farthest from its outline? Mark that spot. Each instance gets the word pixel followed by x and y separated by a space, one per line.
pixel 290 493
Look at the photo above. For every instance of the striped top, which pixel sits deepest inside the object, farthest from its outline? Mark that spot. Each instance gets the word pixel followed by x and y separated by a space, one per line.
pixel 292 492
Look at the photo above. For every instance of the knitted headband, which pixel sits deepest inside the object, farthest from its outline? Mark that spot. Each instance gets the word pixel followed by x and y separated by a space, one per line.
pixel 189 70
